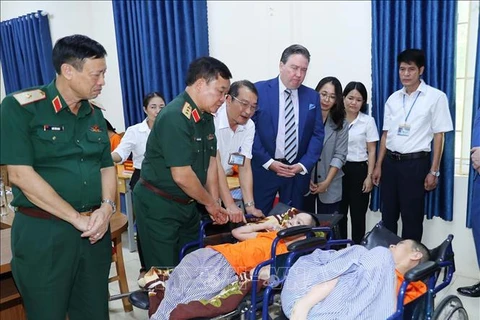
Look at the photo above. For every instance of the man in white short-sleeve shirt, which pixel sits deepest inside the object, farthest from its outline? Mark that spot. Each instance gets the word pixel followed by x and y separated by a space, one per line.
pixel 235 132
pixel 414 116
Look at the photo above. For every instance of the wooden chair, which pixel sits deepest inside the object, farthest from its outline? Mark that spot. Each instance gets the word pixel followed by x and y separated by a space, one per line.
pixel 118 225
pixel 4 175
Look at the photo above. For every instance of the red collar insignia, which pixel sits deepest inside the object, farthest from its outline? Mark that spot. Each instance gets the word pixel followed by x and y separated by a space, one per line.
pixel 196 116
pixel 57 105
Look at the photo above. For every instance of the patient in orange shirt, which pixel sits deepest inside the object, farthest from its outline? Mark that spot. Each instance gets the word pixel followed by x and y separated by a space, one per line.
pixel 203 273
pixel 408 254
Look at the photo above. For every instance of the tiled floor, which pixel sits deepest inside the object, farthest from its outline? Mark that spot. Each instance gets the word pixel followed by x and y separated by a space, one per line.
pixel 132 265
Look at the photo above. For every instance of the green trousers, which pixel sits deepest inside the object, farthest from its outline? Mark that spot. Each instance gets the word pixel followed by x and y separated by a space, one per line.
pixel 165 225
pixel 57 272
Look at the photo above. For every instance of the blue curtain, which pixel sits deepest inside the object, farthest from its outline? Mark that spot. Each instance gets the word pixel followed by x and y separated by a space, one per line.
pixel 26 53
pixel 156 41
pixel 430 26
pixel 475 115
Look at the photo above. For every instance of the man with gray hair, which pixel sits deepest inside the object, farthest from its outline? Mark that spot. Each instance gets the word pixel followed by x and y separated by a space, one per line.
pixel 289 133
pixel 235 131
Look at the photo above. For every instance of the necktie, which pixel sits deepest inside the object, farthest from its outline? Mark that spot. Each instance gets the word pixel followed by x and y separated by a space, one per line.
pixel 290 129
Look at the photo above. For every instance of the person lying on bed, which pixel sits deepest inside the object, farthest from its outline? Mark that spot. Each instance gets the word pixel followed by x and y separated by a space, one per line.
pixel 352 283
pixel 203 273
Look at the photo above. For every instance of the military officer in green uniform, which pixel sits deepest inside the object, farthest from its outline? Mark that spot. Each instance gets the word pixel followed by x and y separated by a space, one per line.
pixel 179 169
pixel 57 151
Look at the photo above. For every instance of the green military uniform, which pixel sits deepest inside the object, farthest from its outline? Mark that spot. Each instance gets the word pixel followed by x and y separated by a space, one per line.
pixel 56 271
pixel 181 136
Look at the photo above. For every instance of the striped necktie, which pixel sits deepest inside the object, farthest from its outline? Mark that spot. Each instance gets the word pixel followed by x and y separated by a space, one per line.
pixel 290 129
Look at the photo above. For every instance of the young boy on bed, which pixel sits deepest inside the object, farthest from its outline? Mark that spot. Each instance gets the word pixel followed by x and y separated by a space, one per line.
pixel 353 283
pixel 203 273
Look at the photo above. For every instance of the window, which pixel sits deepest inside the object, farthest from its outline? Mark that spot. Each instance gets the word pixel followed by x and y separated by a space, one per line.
pixel 467 28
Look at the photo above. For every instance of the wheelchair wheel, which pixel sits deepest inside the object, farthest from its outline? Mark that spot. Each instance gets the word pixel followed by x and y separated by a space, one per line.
pixel 450 308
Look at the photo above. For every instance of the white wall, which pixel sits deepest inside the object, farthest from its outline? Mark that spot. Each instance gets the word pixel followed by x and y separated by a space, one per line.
pixel 91 18
pixel 249 37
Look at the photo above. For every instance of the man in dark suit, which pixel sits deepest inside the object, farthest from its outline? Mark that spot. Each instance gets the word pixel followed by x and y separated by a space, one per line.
pixel 289 133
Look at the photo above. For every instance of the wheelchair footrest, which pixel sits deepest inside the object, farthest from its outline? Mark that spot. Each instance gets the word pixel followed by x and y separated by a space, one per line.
pixel 139 299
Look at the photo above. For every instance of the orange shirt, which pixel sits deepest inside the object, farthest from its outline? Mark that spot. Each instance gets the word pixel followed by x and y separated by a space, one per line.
pixel 246 255
pixel 414 289
pixel 114 141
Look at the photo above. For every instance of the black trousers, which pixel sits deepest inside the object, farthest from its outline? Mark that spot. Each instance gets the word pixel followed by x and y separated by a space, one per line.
pixel 312 204
pixel 354 199
pixel 133 182
pixel 403 193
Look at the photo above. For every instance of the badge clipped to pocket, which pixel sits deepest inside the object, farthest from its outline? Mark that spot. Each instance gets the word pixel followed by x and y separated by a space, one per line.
pixel 236 158
pixel 404 130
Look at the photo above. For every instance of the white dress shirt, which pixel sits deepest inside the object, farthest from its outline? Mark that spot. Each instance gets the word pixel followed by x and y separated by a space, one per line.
pixel 134 141
pixel 229 141
pixel 427 112
pixel 361 131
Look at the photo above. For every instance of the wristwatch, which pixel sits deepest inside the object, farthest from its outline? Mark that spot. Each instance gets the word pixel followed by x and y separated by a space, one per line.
pixel 435 173
pixel 249 204
pixel 111 203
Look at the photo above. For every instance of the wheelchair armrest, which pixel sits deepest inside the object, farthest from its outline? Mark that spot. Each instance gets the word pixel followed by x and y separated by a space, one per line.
pixel 309 243
pixel 293 231
pixel 421 271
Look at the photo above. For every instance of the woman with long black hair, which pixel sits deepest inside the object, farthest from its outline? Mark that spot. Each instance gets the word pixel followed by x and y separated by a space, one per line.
pixel 362 141
pixel 326 182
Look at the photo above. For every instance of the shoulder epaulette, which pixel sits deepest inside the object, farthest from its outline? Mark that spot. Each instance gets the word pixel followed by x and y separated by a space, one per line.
pixel 96 104
pixel 27 97
pixel 187 110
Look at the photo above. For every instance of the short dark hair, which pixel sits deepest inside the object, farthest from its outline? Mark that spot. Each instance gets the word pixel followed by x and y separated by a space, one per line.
pixel 420 247
pixel 234 87
pixel 150 96
pixel 207 68
pixel 109 126
pixel 354 85
pixel 416 56
pixel 74 50
pixel 294 49
pixel 337 112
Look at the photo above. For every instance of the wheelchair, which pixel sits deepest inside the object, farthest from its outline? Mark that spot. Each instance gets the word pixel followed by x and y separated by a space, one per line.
pixel 248 308
pixel 436 273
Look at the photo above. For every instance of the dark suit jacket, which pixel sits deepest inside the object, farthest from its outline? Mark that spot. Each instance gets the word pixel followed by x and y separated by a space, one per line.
pixel 310 126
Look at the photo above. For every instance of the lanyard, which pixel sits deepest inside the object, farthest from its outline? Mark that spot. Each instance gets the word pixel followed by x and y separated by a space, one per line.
pixel 411 107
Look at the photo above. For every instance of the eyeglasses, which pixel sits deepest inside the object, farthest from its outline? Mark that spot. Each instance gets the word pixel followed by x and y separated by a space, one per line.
pixel 245 104
pixel 326 96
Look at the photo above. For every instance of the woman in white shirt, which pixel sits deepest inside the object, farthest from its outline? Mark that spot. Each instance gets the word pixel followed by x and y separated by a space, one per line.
pixel 135 138
pixel 362 141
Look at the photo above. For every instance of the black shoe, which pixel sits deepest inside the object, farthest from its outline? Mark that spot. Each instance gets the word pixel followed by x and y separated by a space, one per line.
pixel 471 291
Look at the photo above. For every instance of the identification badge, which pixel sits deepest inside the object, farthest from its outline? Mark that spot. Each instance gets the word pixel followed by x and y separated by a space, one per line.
pixel 236 158
pixel 404 130
pixel 53 128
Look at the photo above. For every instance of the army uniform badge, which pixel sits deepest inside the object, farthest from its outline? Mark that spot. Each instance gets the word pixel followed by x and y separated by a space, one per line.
pixel 26 97
pixel 187 110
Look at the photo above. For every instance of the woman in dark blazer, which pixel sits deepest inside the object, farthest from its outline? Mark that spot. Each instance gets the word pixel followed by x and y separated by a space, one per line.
pixel 326 179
